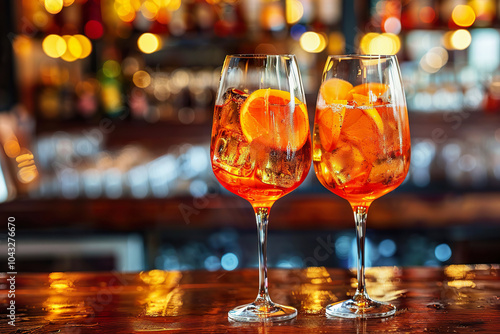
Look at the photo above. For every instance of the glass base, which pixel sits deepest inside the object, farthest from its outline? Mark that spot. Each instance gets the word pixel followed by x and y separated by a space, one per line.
pixel 255 313
pixel 367 309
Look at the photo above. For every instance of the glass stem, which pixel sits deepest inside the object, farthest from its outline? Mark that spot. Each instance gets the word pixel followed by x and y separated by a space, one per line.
pixel 262 216
pixel 360 213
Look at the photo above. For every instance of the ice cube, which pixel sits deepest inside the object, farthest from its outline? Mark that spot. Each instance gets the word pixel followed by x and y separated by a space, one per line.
pixel 232 153
pixel 230 111
pixel 277 168
pixel 347 164
pixel 388 171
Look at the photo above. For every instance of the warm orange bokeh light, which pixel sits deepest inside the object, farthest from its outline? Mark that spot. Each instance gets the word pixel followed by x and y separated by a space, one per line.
pixel 463 15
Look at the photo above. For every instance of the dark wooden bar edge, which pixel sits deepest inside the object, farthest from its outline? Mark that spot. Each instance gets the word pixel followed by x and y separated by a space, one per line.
pixel 456 298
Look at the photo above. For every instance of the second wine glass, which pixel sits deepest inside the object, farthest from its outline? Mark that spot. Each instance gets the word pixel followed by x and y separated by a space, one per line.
pixel 261 150
pixel 361 149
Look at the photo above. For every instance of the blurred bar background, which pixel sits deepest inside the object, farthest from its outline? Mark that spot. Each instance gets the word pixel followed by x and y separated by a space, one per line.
pixel 106 110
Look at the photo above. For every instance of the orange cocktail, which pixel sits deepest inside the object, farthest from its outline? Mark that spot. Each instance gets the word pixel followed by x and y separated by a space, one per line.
pixel 259 150
pixel 361 145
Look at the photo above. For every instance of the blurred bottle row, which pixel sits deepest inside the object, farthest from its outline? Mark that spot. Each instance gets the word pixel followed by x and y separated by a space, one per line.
pixel 472 163
pixel 127 90
pixel 78 166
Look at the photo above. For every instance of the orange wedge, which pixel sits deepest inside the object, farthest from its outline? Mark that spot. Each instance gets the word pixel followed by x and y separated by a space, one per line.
pixel 367 89
pixel 335 89
pixel 374 87
pixel 363 101
pixel 265 115
pixel 329 122
pixel 375 116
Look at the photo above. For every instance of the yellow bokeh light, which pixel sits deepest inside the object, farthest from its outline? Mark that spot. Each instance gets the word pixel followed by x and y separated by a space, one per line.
pixel 141 79
pixel 312 42
pixel 364 44
pixel 67 3
pixel 380 44
pixel 12 148
pixel 148 43
pixel 85 44
pixel 294 11
pixel 74 47
pixel 68 55
pixel 446 40
pixel 54 46
pixel 173 5
pixel 385 44
pixel 150 10
pixel 27 174
pixel 125 11
pixel 53 6
pixel 461 39
pixel 463 15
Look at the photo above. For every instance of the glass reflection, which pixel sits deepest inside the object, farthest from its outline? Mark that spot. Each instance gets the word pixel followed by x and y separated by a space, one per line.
pixel 164 298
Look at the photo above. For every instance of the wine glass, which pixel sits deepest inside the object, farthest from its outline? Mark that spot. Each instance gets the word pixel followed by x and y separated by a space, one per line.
pixel 261 149
pixel 361 149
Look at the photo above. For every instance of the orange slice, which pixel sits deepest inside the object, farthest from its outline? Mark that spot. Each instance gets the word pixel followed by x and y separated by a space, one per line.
pixel 329 122
pixel 363 101
pixel 265 114
pixel 335 89
pixel 375 116
pixel 367 89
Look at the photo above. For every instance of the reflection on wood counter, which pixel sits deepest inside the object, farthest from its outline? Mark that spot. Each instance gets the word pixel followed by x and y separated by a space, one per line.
pixel 457 298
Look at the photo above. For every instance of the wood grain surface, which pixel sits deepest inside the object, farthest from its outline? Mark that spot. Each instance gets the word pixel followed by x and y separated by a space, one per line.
pixel 454 299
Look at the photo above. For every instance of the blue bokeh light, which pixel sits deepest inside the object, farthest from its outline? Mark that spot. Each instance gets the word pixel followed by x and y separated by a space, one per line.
pixel 442 252
pixel 229 261
pixel 387 248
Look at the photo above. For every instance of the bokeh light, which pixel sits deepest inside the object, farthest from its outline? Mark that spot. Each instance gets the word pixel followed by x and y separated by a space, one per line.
pixel 272 17
pixel 69 56
pixel 442 252
pixel 463 15
pixel 12 148
pixel 94 29
pixel 74 47
pixel 312 42
pixel 381 44
pixel 434 59
pixel 53 6
pixel 229 261
pixel 22 45
pixel 460 39
pixel 392 25
pixel 148 43
pixel 85 44
pixel 336 43
pixel 141 79
pixel 294 11
pixel 124 10
pixel 54 46
pixel 111 68
pixel 149 10
pixel 427 14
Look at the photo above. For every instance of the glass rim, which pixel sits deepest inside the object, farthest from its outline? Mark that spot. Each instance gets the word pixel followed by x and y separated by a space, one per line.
pixel 362 56
pixel 260 55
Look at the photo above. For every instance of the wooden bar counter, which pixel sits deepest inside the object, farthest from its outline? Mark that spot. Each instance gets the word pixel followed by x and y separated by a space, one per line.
pixel 456 299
